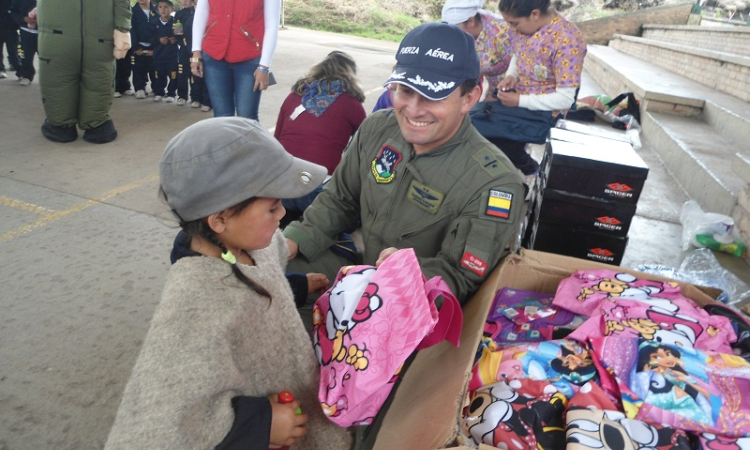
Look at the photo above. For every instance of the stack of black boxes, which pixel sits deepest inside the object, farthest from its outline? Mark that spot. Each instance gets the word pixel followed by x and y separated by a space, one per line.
pixel 590 183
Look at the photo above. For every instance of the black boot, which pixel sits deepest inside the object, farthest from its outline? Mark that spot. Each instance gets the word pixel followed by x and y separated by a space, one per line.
pixel 102 134
pixel 59 134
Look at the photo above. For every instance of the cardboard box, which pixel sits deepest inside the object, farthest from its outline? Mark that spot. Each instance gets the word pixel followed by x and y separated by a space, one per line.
pixel 554 238
pixel 586 213
pixel 612 170
pixel 425 408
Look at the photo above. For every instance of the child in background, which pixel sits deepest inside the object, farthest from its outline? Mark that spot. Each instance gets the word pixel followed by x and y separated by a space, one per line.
pixel 24 13
pixel 226 337
pixel 142 60
pixel 8 38
pixel 123 70
pixel 183 30
pixel 165 53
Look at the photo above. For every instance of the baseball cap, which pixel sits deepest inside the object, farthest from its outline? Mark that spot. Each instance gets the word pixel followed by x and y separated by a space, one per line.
pixel 434 59
pixel 459 11
pixel 217 163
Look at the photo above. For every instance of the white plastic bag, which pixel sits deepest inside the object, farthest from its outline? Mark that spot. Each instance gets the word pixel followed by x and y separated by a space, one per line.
pixel 716 231
pixel 702 268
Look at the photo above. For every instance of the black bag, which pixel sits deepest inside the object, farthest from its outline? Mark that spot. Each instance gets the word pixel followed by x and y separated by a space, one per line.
pixel 632 109
pixel 494 120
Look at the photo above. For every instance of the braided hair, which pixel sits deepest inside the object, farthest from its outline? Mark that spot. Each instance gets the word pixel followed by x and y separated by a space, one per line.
pixel 200 228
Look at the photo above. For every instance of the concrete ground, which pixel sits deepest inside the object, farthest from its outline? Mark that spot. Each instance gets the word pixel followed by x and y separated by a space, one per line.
pixel 85 246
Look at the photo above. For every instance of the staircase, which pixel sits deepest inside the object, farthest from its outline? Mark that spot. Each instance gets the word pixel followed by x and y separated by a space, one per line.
pixel 693 83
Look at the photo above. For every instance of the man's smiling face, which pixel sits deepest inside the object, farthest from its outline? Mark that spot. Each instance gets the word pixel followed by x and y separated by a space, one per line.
pixel 428 124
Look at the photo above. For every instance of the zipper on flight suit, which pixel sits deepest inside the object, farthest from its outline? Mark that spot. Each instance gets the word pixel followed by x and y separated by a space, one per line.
pixel 412 157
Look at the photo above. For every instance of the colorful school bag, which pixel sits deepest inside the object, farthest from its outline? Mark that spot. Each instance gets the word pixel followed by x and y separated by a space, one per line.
pixel 620 304
pixel 366 326
pixel 685 388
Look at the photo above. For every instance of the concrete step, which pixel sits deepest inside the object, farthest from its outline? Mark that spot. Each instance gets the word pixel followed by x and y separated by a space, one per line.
pixel 700 159
pixel 730 39
pixel 660 90
pixel 725 72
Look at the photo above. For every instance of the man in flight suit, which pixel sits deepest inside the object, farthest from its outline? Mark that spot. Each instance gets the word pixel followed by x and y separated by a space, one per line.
pixel 420 175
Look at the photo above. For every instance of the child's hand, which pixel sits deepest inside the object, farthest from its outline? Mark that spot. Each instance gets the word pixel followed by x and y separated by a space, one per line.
pixel 287 427
pixel 385 254
pixel 317 283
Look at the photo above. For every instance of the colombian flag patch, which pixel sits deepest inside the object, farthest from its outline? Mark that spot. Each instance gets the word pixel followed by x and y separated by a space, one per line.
pixel 499 203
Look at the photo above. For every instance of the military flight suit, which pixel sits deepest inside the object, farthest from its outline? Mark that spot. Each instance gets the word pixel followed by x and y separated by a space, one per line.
pixel 458 206
pixel 76 65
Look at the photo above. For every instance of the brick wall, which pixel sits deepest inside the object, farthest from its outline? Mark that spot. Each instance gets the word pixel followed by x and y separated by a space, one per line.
pixel 600 31
pixel 726 39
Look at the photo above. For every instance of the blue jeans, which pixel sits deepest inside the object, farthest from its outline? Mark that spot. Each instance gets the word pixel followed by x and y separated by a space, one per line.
pixel 231 87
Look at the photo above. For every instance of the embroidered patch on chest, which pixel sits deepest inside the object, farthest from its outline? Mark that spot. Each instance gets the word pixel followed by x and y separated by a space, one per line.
pixel 499 203
pixel 384 165
pixel 473 263
pixel 425 197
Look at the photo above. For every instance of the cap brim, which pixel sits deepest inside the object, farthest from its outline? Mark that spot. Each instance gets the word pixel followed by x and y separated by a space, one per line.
pixel 300 178
pixel 429 84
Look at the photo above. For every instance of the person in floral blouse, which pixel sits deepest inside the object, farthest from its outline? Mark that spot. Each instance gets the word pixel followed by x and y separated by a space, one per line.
pixel 545 71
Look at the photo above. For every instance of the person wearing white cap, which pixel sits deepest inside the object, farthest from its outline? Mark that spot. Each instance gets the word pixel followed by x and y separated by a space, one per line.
pixel 490 33
pixel 420 175
pixel 226 337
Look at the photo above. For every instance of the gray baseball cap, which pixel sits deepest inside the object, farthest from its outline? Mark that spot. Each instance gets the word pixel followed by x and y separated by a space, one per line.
pixel 217 163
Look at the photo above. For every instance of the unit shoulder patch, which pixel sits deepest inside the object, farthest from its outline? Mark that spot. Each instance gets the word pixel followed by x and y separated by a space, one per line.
pixel 384 165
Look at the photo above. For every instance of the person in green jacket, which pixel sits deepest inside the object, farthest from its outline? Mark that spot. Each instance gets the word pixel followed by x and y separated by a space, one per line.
pixel 78 43
pixel 420 175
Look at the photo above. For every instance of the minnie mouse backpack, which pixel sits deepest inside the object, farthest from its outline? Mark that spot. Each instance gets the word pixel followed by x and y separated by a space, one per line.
pixel 367 324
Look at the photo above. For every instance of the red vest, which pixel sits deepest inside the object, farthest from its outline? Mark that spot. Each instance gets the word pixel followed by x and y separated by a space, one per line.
pixel 235 30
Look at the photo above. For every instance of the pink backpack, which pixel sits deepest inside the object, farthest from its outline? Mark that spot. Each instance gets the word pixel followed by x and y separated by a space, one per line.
pixel 367 324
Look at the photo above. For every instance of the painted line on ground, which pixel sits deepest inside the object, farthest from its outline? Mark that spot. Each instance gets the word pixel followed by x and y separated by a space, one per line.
pixel 18 204
pixel 48 216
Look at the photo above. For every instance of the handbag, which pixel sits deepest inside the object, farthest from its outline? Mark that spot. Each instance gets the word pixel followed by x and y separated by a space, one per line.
pixel 367 325
pixel 632 108
pixel 494 120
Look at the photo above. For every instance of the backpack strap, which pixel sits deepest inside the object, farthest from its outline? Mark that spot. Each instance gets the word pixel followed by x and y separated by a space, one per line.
pixel 450 316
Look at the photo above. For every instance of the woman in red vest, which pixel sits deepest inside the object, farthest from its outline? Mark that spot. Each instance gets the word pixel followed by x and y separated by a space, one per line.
pixel 233 43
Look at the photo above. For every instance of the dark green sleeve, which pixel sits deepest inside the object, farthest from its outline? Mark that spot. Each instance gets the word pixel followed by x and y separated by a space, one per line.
pixel 476 242
pixel 122 15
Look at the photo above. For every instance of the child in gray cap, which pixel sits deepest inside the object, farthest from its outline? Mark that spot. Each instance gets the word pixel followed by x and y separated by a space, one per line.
pixel 226 338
